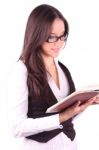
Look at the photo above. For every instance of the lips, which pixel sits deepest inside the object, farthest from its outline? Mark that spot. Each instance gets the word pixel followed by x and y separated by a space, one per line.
pixel 56 50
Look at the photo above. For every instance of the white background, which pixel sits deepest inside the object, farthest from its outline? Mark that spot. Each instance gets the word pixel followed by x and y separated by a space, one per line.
pixel 80 56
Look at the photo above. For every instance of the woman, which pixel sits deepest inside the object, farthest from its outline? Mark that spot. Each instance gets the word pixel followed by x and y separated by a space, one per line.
pixel 39 81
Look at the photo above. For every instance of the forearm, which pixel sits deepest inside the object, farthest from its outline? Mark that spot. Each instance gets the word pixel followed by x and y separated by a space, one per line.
pixel 30 126
pixel 63 117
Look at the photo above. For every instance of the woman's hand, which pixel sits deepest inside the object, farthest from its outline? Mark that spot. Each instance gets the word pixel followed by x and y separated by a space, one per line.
pixel 97 100
pixel 76 109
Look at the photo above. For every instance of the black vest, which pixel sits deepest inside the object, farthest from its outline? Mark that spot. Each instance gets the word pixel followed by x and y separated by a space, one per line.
pixel 37 107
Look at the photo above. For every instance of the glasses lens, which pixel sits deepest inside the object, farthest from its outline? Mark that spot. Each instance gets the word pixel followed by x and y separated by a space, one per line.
pixel 52 39
pixel 63 38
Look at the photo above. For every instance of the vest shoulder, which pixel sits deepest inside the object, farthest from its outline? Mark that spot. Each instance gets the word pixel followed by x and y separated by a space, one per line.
pixel 62 65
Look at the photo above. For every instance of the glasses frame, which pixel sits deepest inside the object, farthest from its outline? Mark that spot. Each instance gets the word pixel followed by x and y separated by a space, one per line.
pixel 57 38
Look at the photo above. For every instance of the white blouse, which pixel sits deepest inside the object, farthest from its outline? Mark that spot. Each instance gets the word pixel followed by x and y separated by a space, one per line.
pixel 20 125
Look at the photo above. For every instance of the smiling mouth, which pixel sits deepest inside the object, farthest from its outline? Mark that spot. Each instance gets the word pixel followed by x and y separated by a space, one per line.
pixel 56 50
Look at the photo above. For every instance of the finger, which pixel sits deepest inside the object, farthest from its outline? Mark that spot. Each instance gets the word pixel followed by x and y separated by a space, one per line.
pixel 77 104
pixel 97 99
pixel 84 106
pixel 89 102
pixel 92 100
pixel 97 95
pixel 96 102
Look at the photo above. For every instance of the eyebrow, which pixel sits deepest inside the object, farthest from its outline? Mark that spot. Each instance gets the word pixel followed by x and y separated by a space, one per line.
pixel 60 33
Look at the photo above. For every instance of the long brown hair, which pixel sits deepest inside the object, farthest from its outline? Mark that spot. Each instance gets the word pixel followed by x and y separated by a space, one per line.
pixel 37 31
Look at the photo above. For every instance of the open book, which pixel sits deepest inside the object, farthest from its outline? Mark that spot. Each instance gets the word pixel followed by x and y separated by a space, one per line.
pixel 81 96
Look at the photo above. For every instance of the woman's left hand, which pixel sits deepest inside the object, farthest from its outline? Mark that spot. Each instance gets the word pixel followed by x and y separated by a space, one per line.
pixel 97 100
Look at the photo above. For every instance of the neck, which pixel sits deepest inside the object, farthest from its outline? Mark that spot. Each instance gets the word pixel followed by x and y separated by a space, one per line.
pixel 48 62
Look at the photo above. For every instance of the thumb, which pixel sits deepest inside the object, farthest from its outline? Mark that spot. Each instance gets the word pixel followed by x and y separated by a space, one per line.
pixel 77 103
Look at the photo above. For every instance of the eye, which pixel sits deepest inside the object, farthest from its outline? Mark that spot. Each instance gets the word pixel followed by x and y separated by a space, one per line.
pixel 51 38
pixel 63 37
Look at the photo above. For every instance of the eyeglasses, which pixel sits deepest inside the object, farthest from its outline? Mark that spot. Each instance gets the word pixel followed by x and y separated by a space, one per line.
pixel 52 39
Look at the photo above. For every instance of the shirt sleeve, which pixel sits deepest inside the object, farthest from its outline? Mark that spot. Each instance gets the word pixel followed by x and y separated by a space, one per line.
pixel 17 106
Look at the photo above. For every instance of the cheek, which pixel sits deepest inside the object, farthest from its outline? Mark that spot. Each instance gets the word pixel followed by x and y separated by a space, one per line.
pixel 46 47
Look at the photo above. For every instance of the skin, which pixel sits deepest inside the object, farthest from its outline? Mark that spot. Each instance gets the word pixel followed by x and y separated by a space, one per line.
pixel 51 51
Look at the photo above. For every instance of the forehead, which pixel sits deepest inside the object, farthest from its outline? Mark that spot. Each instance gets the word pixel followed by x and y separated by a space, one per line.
pixel 58 27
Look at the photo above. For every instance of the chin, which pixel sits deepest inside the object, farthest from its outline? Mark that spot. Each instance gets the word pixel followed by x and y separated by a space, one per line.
pixel 55 55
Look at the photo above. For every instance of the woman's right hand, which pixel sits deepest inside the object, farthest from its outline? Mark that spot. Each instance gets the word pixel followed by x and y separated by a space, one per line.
pixel 75 109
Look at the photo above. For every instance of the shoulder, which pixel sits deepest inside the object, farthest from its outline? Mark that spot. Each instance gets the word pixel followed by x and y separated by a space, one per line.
pixel 18 71
pixel 19 67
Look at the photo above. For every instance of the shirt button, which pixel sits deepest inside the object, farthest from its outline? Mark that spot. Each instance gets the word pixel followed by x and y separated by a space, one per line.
pixel 61 126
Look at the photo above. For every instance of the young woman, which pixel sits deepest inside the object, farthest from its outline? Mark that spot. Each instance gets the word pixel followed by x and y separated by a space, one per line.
pixel 39 81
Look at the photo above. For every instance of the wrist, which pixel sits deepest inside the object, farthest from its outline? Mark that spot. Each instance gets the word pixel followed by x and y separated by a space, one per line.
pixel 63 117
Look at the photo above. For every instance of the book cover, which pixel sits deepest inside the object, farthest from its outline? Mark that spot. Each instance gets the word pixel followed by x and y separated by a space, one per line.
pixel 81 96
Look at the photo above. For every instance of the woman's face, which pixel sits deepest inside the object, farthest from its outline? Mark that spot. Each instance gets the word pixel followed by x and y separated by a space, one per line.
pixel 51 48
